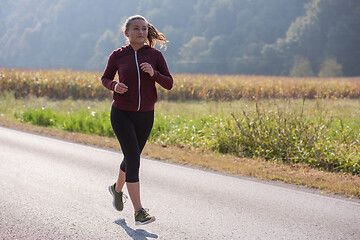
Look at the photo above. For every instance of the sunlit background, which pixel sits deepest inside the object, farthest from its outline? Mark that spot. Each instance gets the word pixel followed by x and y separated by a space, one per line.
pixel 262 37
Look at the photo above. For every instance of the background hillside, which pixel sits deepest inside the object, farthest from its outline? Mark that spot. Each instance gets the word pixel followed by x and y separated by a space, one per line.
pixel 267 37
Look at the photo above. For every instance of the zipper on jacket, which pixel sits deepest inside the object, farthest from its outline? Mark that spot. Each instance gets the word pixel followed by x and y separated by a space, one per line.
pixel 137 67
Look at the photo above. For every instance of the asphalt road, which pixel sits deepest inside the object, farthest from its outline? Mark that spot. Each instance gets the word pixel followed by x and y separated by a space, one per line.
pixel 53 189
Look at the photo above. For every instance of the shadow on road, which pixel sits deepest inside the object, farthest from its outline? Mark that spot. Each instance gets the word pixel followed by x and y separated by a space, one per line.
pixel 138 234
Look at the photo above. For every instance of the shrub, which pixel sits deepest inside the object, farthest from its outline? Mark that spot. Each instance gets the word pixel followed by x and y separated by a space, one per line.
pixel 301 68
pixel 330 68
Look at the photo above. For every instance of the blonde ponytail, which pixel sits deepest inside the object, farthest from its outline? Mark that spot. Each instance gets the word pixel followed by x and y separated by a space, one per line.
pixel 153 34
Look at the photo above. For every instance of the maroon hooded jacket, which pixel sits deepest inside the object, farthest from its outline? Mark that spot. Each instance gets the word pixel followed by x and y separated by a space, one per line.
pixel 141 94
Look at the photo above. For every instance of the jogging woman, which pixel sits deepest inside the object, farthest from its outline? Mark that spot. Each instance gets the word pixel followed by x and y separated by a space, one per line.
pixel 139 66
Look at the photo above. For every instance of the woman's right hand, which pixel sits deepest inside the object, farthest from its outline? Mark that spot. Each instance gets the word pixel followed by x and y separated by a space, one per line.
pixel 120 88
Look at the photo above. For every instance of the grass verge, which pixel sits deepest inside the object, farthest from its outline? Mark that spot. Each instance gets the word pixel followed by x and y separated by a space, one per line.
pixel 299 174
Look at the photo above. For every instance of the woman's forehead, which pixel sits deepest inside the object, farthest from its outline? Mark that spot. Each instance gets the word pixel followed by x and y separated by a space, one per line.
pixel 138 22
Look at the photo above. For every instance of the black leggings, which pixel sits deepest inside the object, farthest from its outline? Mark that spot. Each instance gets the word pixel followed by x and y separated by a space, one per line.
pixel 132 130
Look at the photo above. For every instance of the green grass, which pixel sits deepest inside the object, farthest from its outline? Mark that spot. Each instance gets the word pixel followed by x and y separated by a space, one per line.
pixel 321 133
pixel 82 121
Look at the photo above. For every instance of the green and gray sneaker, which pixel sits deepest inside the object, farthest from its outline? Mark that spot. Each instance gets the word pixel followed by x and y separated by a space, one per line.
pixel 143 217
pixel 119 198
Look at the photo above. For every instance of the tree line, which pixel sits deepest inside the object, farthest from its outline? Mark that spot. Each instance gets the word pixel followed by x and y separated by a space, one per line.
pixel 262 37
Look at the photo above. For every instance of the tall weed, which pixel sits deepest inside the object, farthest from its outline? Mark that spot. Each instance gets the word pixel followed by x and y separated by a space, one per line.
pixel 291 138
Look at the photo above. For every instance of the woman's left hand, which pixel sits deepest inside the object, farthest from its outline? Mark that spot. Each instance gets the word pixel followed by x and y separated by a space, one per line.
pixel 146 67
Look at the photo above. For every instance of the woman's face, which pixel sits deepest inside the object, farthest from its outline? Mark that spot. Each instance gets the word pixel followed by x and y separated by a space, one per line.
pixel 137 32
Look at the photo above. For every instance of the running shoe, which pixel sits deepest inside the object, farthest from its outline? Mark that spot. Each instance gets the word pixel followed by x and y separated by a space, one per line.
pixel 118 198
pixel 143 217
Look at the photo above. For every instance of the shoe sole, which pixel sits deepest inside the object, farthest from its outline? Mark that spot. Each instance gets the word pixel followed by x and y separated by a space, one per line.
pixel 113 202
pixel 146 222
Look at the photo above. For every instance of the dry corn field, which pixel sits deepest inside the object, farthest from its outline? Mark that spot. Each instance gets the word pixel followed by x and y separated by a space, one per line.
pixel 62 84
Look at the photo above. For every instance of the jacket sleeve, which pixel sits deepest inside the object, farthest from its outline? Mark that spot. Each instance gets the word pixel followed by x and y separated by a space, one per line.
pixel 161 74
pixel 107 78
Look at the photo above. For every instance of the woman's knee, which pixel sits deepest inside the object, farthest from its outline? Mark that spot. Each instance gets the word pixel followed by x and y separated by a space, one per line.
pixel 132 176
pixel 123 166
pixel 132 167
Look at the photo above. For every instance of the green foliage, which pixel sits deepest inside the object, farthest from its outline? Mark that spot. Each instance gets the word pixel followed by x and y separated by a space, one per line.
pixel 41 117
pixel 330 68
pixel 184 131
pixel 301 68
pixel 77 121
pixel 327 29
pixel 291 138
pixel 223 37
